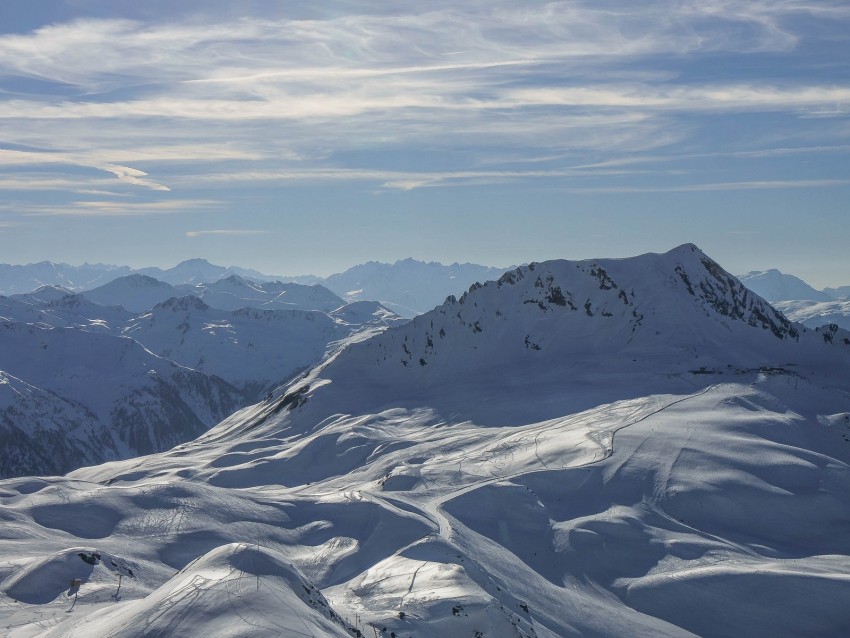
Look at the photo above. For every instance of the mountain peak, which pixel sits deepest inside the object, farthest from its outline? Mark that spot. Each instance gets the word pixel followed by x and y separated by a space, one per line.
pixel 680 307
pixel 139 280
pixel 195 261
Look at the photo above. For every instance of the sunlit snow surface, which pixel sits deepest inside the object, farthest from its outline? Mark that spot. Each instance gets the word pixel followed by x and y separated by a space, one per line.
pixel 656 481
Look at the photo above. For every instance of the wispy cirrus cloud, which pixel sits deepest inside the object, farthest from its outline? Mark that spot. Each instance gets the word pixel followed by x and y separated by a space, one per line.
pixel 337 92
pixel 569 179
pixel 715 186
pixel 112 208
pixel 226 232
pixel 124 174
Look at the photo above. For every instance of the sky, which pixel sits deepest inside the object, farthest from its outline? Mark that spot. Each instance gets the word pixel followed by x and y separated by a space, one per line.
pixel 297 137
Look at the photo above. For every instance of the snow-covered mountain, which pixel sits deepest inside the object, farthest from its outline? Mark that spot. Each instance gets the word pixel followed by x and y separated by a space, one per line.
pixel 249 351
pixel 136 293
pixel 637 447
pixel 799 301
pixel 408 287
pixel 234 292
pixel 777 286
pixel 68 311
pixel 42 295
pixel 139 293
pixel 254 350
pixel 15 279
pixel 71 397
pixel 199 271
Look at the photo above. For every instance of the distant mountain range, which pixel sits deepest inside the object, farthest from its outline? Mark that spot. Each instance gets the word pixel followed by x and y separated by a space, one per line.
pixel 777 286
pixel 611 447
pixel 799 301
pixel 408 287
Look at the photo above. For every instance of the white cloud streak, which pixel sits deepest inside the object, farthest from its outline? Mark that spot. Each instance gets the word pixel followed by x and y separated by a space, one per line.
pixel 107 208
pixel 226 233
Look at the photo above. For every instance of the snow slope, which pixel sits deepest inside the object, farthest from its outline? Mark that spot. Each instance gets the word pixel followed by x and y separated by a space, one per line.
pixel 634 447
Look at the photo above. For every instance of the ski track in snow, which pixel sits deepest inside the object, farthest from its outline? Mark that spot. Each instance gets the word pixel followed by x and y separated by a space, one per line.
pixel 433 506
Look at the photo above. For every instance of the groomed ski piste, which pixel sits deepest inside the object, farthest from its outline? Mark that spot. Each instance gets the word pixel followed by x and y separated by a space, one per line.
pixel 636 447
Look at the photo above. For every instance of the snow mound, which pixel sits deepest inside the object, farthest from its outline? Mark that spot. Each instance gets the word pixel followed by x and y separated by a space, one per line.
pixel 235 590
pixel 69 573
pixel 41 580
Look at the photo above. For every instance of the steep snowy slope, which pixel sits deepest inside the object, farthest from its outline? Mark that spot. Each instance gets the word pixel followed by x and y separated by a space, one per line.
pixel 814 314
pixel 777 286
pixel 71 397
pixel 634 447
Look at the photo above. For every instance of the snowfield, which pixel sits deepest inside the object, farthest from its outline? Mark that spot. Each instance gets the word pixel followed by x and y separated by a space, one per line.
pixel 636 447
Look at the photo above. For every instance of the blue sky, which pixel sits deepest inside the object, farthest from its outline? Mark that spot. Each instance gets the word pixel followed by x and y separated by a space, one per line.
pixel 301 137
